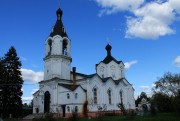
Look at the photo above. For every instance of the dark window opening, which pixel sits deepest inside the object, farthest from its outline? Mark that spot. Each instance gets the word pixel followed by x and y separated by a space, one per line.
pixel 95 95
pixel 76 109
pixel 63 30
pixel 121 96
pixel 50 47
pixel 37 110
pixel 68 96
pixel 109 96
pixel 102 75
pixel 68 108
pixel 65 43
pixel 76 95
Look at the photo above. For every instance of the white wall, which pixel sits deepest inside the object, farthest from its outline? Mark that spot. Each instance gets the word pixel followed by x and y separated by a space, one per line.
pixel 102 95
pixel 59 95
pixel 57 42
pixel 38 99
pixel 110 69
pixel 57 64
pixel 62 96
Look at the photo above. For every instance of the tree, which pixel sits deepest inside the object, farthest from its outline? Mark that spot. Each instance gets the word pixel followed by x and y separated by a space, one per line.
pixel 122 108
pixel 3 76
pixel 166 92
pixel 163 102
pixel 169 84
pixel 137 101
pixel 27 109
pixel 1 86
pixel 11 84
pixel 177 104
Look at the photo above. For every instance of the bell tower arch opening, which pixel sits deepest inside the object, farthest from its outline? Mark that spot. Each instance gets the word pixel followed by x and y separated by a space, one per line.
pixel 64 47
pixel 50 46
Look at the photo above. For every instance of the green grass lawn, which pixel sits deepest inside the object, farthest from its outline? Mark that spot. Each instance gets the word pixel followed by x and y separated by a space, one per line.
pixel 159 117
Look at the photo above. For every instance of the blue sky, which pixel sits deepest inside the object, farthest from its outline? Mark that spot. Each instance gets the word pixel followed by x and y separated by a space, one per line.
pixel 144 34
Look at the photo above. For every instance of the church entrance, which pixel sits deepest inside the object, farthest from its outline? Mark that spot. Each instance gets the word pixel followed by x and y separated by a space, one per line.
pixel 47 102
pixel 64 110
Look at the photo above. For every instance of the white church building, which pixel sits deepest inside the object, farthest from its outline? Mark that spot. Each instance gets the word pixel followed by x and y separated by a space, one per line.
pixel 63 91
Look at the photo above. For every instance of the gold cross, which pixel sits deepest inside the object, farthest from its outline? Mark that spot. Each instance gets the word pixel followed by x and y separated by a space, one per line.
pixel 107 40
pixel 59 4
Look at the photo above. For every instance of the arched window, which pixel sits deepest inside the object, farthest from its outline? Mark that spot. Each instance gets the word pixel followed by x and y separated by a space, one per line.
pixel 95 95
pixel 76 95
pixel 65 43
pixel 121 69
pixel 113 70
pixel 50 46
pixel 109 96
pixel 121 73
pixel 102 75
pixel 68 109
pixel 68 96
pixel 63 30
pixel 102 71
pixel 121 96
pixel 113 74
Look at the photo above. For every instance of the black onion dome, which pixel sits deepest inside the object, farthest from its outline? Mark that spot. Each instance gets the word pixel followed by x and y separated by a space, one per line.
pixel 59 28
pixel 108 47
pixel 109 58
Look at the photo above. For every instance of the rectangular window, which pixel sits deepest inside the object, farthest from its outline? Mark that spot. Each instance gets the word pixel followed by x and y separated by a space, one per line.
pixel 109 96
pixel 76 95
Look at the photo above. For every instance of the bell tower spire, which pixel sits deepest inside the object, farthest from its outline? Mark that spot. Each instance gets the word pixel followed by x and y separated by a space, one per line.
pixel 57 60
pixel 59 13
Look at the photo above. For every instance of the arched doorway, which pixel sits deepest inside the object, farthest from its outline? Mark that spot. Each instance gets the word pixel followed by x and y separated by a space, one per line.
pixel 47 98
pixel 144 107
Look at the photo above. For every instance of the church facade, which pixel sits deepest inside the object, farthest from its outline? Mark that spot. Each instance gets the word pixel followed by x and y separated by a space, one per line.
pixel 63 91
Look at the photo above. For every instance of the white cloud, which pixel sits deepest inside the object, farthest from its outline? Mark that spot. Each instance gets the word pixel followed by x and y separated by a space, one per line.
pixel 31 76
pixel 113 6
pixel 34 90
pixel 129 64
pixel 147 90
pixel 23 58
pixel 177 61
pixel 145 87
pixel 27 98
pixel 150 20
pixel 175 4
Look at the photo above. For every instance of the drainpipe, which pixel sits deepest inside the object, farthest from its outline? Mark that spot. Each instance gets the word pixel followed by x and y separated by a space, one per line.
pixel 74 75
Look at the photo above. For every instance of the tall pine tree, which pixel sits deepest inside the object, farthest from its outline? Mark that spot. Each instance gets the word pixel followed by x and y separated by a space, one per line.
pixel 2 78
pixel 11 84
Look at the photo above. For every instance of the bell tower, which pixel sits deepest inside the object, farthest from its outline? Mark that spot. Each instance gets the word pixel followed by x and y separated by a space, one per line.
pixel 57 59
